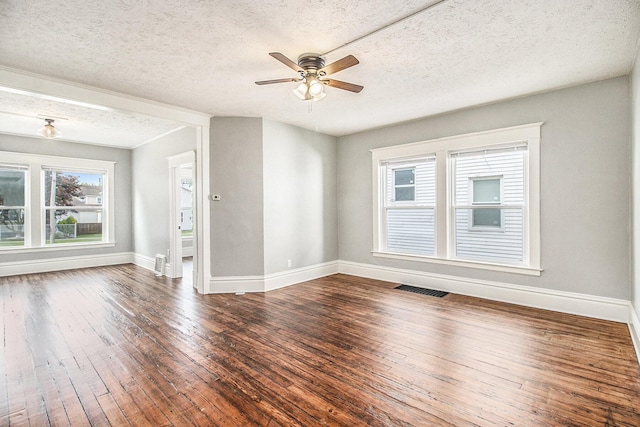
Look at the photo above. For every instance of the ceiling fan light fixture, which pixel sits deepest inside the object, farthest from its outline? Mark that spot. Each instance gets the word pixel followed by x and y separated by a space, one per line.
pixel 319 96
pixel 301 91
pixel 315 88
pixel 311 89
pixel 49 131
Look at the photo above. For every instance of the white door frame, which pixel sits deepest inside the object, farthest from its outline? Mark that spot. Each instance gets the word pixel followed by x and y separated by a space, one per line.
pixel 175 232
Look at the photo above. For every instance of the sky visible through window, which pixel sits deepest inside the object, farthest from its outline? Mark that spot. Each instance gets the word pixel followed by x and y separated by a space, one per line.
pixel 86 178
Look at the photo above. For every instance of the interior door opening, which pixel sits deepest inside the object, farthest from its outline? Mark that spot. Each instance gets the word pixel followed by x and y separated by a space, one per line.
pixel 183 235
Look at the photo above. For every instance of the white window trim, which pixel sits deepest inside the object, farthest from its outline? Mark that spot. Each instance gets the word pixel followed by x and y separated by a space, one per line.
pixel 529 134
pixel 34 215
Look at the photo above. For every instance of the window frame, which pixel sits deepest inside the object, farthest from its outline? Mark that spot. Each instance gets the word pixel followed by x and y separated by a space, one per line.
pixel 528 135
pixel 35 205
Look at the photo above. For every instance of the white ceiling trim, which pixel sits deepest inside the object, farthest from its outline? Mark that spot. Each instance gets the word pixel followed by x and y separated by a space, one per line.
pixel 158 137
pixel 85 96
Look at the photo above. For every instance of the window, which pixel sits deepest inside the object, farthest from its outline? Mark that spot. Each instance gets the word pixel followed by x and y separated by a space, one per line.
pixel 404 184
pixel 470 200
pixel 72 206
pixel 12 205
pixel 410 206
pixel 55 201
pixel 489 204
pixel 485 192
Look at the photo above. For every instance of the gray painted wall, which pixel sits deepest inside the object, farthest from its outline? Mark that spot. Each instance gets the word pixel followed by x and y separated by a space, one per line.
pixel 584 185
pixel 635 126
pixel 122 180
pixel 150 190
pixel 278 197
pixel 300 212
pixel 237 222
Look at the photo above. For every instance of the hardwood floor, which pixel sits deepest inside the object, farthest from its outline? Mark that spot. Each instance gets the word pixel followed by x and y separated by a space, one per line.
pixel 119 346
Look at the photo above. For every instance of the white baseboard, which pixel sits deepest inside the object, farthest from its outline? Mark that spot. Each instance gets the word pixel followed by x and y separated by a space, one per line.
pixel 299 275
pixel 597 307
pixel 188 251
pixel 235 284
pixel 269 282
pixel 634 329
pixel 144 261
pixel 63 263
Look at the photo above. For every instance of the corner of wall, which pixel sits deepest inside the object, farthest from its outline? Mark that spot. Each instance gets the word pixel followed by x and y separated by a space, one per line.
pixel 634 329
pixel 270 282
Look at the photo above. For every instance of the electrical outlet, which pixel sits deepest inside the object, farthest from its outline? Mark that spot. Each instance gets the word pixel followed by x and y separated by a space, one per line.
pixel 289 263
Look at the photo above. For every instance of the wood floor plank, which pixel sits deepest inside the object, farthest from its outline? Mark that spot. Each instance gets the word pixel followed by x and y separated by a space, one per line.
pixel 119 346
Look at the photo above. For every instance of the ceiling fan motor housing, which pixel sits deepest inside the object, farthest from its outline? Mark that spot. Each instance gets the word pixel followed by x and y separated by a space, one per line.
pixel 311 62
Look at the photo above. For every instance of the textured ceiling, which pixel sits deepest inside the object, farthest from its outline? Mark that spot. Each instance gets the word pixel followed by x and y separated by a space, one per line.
pixel 205 55
pixel 24 114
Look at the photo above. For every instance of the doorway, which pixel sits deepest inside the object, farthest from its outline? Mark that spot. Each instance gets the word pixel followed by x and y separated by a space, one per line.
pixel 183 235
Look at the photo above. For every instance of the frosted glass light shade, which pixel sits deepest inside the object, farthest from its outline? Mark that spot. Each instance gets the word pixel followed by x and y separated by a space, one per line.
pixel 301 91
pixel 315 88
pixel 49 131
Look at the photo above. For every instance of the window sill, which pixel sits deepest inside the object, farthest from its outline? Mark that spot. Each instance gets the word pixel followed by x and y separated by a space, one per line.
pixel 503 268
pixel 62 247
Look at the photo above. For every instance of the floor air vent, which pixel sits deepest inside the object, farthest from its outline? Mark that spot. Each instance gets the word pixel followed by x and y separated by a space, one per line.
pixel 159 265
pixel 423 291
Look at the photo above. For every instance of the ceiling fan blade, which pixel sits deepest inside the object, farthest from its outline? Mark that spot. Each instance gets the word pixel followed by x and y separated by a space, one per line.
pixel 343 85
pixel 286 61
pixel 339 65
pixel 268 82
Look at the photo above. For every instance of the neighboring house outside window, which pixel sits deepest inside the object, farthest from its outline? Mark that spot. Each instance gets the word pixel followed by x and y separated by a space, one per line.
pixel 404 184
pixel 409 206
pixel 489 204
pixel 76 202
pixel 470 200
pixel 485 191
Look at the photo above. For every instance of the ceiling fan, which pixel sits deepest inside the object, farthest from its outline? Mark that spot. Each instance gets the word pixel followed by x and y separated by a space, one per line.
pixel 313 74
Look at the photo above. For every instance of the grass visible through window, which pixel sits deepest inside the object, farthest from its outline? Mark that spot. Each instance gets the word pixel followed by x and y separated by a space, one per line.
pixel 80 239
